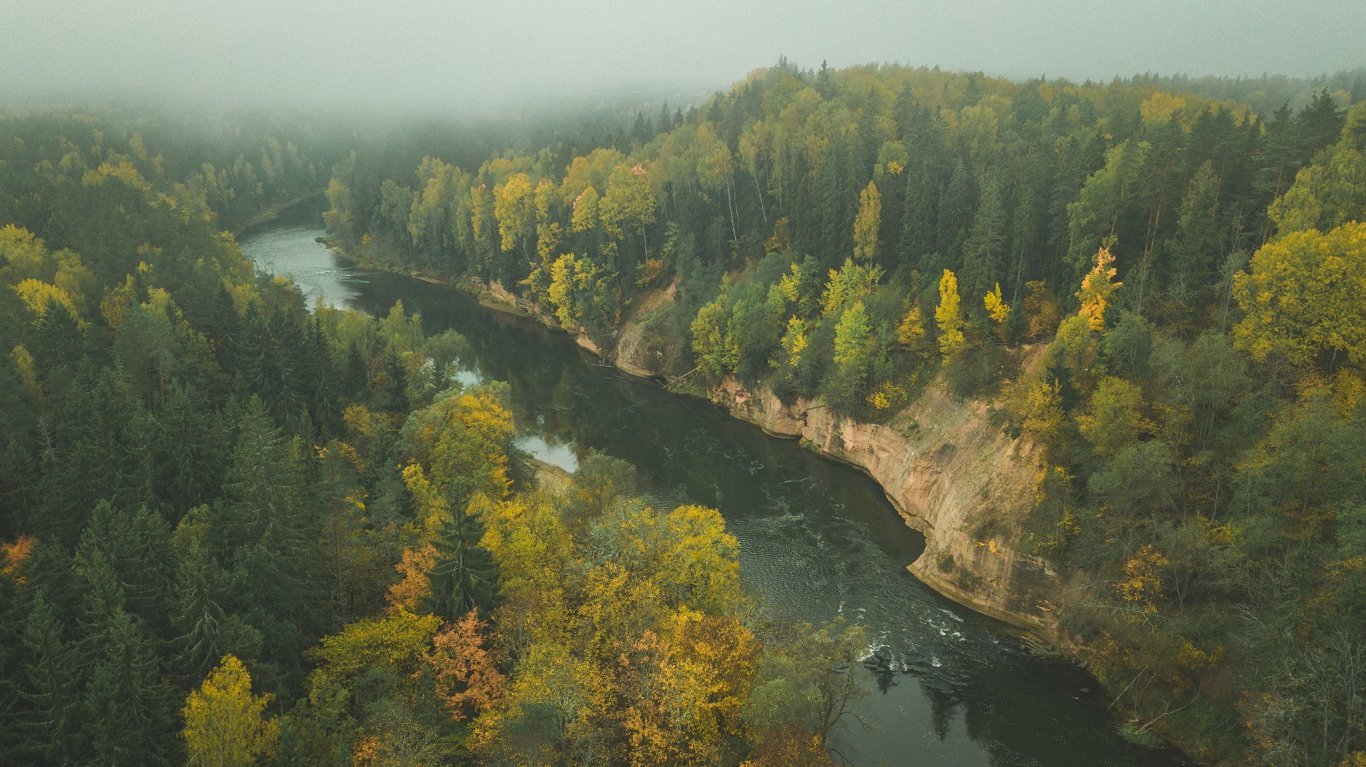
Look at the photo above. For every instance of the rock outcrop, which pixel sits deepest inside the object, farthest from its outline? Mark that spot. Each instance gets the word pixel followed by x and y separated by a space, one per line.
pixel 950 474
pixel 634 353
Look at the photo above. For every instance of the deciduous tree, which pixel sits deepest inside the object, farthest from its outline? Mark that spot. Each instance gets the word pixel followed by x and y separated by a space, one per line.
pixel 225 724
pixel 949 316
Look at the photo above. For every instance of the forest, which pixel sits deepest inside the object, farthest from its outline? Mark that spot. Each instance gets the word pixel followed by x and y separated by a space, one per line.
pixel 239 529
pixel 1158 282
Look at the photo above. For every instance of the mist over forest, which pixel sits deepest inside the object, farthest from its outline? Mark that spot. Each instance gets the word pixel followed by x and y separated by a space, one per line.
pixel 443 57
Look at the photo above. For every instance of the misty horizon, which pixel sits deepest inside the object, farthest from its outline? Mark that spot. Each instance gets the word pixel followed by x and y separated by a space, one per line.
pixel 437 57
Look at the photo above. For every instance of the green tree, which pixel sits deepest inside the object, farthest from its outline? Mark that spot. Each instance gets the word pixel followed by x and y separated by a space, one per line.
pixel 51 720
pixel 128 706
pixel 984 249
pixel 1196 248
pixel 202 630
pixel 1107 202
pixel 711 343
pixel 853 335
pixel 465 577
pixel 1113 419
pixel 805 678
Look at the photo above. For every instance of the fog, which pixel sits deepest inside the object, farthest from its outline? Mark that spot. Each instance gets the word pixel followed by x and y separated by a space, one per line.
pixel 461 55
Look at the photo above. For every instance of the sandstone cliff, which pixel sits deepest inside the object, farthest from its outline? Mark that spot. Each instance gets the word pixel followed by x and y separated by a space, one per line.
pixel 952 475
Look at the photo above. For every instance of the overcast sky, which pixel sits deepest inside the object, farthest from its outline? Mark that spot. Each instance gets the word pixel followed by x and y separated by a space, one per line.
pixel 442 54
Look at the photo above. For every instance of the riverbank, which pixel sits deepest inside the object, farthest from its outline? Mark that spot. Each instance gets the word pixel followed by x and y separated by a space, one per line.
pixel 947 471
pixel 273 214
pixel 951 475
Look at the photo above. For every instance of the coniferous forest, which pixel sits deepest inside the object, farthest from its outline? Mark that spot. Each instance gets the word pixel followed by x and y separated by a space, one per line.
pixel 239 529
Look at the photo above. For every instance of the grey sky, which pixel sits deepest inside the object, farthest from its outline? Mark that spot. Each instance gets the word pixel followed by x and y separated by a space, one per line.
pixel 453 53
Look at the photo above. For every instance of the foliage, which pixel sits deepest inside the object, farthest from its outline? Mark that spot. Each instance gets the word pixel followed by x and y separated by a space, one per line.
pixel 467 679
pixel 948 316
pixel 224 722
pixel 867 223
pixel 1304 298
pixel 1097 288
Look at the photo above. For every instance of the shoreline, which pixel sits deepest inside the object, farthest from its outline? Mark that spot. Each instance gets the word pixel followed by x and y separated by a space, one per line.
pixel 1041 635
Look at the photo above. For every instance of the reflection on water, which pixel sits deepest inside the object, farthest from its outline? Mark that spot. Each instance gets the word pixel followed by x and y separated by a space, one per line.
pixel 817 539
pixel 291 251
pixel 546 449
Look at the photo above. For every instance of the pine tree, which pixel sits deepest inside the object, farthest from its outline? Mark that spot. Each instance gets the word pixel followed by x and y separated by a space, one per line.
pixel 204 631
pixel 137 547
pixel 395 393
pixel 356 376
pixel 1196 250
pixel 100 453
pixel 102 596
pixel 320 380
pixel 188 449
pixel 918 215
pixel 955 209
pixel 261 480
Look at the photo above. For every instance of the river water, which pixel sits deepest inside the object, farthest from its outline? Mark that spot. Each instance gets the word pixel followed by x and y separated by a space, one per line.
pixel 817 539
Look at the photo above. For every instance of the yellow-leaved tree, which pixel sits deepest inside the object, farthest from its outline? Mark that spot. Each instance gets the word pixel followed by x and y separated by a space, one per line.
pixel 514 208
pixel 38 295
pixel 690 681
pixel 911 329
pixel 1305 298
pixel 1096 288
pixel 997 308
pixel 1142 583
pixel 867 222
pixel 949 315
pixel 224 722
pixel 848 284
pixel 794 341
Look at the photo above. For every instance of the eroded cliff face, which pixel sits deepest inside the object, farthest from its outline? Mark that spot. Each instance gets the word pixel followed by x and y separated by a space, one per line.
pixel 952 475
pixel 634 353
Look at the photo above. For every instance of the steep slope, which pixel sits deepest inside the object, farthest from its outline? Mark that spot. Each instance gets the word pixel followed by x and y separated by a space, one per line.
pixel 952 475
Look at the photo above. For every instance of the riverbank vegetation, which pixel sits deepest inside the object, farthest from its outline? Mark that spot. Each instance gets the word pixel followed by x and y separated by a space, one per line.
pixel 237 530
pixel 1190 252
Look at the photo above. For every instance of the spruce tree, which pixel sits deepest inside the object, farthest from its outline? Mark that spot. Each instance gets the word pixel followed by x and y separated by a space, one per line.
pixel 129 706
pixel 465 576
pixel 48 715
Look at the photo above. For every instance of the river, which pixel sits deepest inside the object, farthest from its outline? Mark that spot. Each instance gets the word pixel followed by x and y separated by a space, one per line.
pixel 817 539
